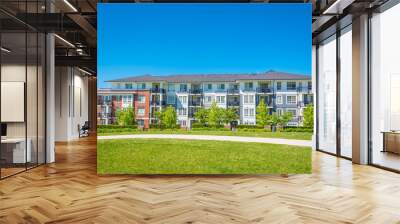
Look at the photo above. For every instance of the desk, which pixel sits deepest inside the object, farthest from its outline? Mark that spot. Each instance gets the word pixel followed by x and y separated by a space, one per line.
pixel 13 150
pixel 391 141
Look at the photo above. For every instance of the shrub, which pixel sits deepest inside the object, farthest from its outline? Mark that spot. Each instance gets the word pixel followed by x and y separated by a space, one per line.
pixel 297 129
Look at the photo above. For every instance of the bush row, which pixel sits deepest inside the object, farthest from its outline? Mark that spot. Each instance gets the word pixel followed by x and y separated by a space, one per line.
pixel 114 126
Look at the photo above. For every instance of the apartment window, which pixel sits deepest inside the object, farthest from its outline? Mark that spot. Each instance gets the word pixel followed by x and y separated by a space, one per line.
pixel 279 85
pixel 291 85
pixel 248 86
pixel 251 99
pixel 251 112
pixel 279 99
pixel 221 86
pixel 171 99
pixel 142 86
pixel 246 112
pixel 291 99
pixel 183 99
pixel 128 85
pixel 183 87
pixel 279 112
pixel 140 111
pixel 141 99
pixel 220 99
pixel 292 111
pixel 183 123
pixel 182 111
pixel 208 99
pixel 209 86
pixel 309 85
pixel 171 87
pixel 140 122
pixel 235 87
pixel 245 99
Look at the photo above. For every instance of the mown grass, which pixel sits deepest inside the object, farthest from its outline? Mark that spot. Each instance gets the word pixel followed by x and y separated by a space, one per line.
pixel 222 132
pixel 171 156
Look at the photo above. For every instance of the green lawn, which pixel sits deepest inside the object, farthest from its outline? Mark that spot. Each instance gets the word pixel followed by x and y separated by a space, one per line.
pixel 170 156
pixel 248 133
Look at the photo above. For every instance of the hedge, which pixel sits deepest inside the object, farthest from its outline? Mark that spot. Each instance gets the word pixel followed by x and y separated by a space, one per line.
pixel 297 129
pixel 114 126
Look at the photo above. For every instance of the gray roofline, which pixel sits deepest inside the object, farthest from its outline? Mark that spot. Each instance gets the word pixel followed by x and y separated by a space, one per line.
pixel 270 75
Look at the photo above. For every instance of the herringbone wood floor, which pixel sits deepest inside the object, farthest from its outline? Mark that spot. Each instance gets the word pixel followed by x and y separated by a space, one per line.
pixel 69 191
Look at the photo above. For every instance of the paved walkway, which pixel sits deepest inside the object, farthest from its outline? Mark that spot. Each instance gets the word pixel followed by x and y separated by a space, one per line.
pixel 281 141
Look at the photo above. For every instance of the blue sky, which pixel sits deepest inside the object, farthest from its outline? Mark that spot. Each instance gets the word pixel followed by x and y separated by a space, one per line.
pixel 163 39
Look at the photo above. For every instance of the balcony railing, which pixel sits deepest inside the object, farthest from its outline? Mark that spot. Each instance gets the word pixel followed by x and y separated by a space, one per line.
pixel 158 103
pixel 248 90
pixel 233 91
pixel 264 90
pixel 233 103
pixel 196 91
pixel 157 90
pixel 195 103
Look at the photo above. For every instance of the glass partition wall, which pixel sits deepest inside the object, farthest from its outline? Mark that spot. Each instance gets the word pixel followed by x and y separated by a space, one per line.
pixel 334 94
pixel 385 89
pixel 22 107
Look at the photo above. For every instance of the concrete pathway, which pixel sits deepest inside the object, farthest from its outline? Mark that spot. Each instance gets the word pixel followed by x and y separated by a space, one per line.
pixel 281 141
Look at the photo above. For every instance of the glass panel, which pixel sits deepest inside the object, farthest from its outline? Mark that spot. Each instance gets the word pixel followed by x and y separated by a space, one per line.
pixel 346 92
pixel 13 86
pixel 385 84
pixel 327 95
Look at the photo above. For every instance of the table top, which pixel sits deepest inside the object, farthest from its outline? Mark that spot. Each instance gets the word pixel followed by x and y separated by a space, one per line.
pixel 13 140
pixel 391 132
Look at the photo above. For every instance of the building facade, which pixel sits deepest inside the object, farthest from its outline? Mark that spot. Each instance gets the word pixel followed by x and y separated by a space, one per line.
pixel 282 92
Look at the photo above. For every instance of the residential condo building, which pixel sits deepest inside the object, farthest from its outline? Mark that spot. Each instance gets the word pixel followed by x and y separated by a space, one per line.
pixel 147 94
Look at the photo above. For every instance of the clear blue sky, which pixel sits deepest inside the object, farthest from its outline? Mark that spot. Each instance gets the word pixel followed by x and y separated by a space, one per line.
pixel 163 39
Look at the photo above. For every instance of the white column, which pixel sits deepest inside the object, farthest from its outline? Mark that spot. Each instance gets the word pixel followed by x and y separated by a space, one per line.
pixel 50 99
pixel 360 90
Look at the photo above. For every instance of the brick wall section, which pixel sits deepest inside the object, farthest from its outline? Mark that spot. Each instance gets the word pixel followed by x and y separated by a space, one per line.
pixel 145 106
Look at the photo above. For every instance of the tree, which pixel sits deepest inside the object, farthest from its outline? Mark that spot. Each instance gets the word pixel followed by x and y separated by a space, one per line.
pixel 285 118
pixel 159 115
pixel 309 116
pixel 169 117
pixel 201 116
pixel 229 115
pixel 262 113
pixel 214 115
pixel 126 116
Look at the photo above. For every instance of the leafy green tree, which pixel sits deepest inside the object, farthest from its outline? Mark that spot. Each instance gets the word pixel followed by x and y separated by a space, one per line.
pixel 215 117
pixel 169 117
pixel 273 119
pixel 285 118
pixel 159 115
pixel 201 116
pixel 229 115
pixel 309 116
pixel 126 116
pixel 262 114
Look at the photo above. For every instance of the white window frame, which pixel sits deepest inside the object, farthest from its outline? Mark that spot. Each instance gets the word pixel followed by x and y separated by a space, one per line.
pixel 291 111
pixel 291 103
pixel 141 109
pixel 279 99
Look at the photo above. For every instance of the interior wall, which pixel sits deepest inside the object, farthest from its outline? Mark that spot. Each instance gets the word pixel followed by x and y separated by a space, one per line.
pixel 71 102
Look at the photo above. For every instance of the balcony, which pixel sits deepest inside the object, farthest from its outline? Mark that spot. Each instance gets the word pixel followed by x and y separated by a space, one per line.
pixel 157 90
pixel 195 103
pixel 233 103
pixel 304 90
pixel 196 91
pixel 264 90
pixel 158 103
pixel 233 91
pixel 248 90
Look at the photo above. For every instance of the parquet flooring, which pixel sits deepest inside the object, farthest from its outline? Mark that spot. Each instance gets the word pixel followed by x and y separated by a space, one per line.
pixel 69 191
